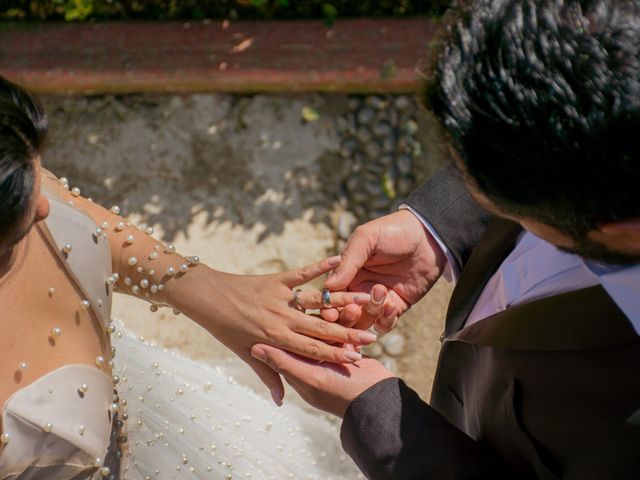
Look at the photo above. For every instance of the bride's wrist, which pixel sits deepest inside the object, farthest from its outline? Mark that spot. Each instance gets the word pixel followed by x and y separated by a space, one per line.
pixel 193 292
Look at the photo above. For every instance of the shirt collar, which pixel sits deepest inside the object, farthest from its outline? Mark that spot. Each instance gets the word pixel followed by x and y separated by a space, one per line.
pixel 622 283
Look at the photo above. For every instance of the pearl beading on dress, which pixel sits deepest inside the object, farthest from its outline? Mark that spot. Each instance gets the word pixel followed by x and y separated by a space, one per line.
pixel 146 287
pixel 194 422
pixel 118 407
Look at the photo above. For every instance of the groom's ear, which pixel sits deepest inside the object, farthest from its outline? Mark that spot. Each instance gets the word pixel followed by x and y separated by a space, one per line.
pixel 630 227
pixel 624 234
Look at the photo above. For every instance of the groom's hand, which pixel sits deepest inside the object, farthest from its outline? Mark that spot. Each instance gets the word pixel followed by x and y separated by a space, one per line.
pixel 329 387
pixel 394 251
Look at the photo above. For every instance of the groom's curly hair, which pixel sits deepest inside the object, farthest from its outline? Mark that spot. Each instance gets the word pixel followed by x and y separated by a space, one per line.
pixel 541 101
pixel 23 126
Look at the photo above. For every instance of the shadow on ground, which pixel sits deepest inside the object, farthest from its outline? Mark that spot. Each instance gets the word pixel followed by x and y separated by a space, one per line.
pixel 251 160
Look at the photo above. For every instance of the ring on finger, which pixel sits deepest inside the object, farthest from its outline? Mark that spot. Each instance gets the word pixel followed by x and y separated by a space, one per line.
pixel 326 298
pixel 296 298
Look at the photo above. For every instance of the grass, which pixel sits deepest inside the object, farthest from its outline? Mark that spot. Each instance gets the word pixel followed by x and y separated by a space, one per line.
pixel 328 10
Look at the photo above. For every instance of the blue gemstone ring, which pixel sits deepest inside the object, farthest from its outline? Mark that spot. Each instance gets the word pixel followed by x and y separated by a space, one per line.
pixel 326 298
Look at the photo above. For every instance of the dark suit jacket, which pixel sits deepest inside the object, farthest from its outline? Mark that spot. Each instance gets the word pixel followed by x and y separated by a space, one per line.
pixel 549 389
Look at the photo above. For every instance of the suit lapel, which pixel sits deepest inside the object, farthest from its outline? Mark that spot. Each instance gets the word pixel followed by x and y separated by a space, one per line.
pixel 495 245
pixel 579 320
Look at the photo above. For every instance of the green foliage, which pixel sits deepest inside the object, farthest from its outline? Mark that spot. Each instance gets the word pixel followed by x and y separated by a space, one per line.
pixel 388 186
pixel 77 10
pixel 330 13
pixel 13 14
pixel 328 10
pixel 388 70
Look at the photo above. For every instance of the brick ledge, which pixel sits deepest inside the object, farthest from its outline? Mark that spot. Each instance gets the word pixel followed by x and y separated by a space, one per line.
pixel 361 55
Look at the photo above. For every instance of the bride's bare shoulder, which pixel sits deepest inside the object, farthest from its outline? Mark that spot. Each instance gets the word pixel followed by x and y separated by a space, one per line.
pixel 52 183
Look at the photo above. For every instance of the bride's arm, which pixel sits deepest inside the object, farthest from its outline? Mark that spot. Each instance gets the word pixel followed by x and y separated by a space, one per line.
pixel 239 310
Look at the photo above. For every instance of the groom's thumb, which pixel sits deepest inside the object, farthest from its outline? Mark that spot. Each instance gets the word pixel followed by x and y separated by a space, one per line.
pixel 353 257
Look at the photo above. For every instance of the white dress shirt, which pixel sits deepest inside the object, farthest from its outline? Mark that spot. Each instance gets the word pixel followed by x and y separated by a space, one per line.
pixel 536 269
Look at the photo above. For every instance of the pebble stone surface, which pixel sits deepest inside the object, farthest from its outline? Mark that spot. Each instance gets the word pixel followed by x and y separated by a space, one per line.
pixel 246 159
pixel 380 144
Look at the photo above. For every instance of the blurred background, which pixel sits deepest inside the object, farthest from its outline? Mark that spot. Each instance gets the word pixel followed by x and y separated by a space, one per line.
pixel 256 134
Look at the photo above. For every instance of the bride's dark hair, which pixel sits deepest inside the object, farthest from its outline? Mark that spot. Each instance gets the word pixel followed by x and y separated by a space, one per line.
pixel 23 126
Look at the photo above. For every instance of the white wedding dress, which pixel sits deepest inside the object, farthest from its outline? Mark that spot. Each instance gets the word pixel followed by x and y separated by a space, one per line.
pixel 174 418
pixel 188 420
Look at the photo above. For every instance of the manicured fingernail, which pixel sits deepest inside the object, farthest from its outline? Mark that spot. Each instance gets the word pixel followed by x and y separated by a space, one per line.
pixel 353 356
pixel 275 395
pixel 259 353
pixel 378 295
pixel 334 261
pixel 367 337
pixel 362 298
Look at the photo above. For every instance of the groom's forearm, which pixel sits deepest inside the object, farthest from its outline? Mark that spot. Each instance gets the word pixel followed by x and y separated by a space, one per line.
pixel 392 434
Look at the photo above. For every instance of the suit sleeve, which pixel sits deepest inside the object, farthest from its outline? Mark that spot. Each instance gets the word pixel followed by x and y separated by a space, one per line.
pixel 458 220
pixel 391 433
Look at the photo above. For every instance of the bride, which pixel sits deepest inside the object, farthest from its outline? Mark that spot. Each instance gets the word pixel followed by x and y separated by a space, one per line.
pixel 82 398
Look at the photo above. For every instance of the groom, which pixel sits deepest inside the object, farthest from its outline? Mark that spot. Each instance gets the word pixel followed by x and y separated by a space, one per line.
pixel 539 372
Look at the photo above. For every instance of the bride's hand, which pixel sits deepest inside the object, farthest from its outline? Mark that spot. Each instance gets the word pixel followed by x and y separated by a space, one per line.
pixel 244 310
